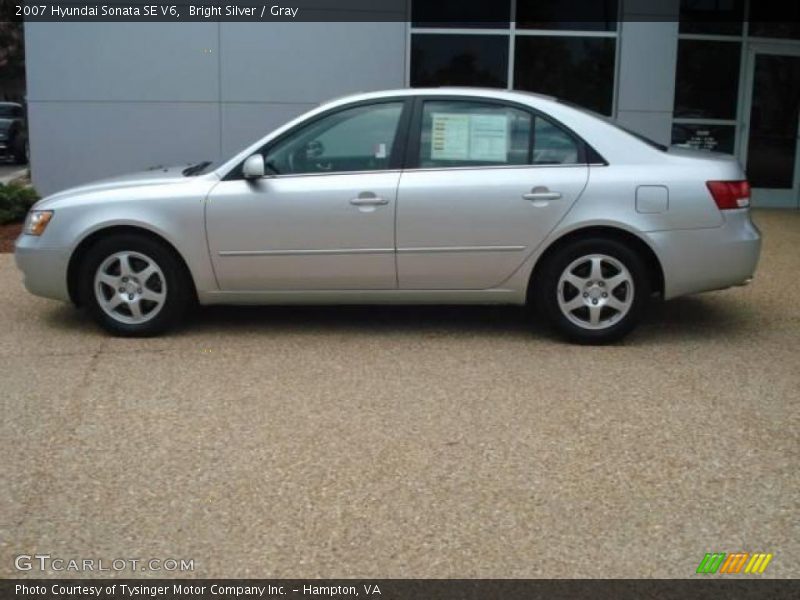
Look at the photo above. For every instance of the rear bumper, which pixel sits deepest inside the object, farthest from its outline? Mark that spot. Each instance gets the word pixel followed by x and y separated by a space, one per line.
pixel 700 260
pixel 44 269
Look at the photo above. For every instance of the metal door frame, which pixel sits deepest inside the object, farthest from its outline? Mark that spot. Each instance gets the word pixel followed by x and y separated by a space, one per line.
pixel 768 197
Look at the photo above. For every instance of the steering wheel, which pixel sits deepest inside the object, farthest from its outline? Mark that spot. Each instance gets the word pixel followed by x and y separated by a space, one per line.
pixel 303 157
pixel 314 149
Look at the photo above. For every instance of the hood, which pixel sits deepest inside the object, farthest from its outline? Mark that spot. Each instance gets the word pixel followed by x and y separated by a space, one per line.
pixel 153 176
pixel 5 124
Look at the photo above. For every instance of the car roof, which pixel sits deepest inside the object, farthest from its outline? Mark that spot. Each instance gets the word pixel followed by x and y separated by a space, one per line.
pixel 492 93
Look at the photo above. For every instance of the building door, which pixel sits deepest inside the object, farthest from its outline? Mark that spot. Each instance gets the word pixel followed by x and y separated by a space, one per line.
pixel 771 137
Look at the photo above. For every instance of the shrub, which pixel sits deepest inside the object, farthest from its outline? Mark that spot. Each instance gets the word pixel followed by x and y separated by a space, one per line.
pixel 15 200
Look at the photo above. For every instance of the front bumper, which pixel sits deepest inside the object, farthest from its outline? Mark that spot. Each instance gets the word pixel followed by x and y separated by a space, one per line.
pixel 44 268
pixel 700 260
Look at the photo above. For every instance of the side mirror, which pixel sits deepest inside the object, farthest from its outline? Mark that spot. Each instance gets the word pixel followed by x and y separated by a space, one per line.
pixel 253 167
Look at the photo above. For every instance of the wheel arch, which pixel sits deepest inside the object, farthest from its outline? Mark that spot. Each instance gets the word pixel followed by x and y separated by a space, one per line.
pixel 80 251
pixel 655 270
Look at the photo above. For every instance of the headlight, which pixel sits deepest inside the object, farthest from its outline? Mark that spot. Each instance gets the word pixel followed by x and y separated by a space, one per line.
pixel 3 135
pixel 37 221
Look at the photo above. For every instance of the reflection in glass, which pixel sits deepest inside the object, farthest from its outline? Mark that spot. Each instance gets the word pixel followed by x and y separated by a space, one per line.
pixel 717 17
pixel 772 29
pixel 775 21
pixel 707 79
pixel 552 145
pixel 577 15
pixel 479 60
pixel 716 138
pixel 354 139
pixel 773 121
pixel 576 69
pixel 460 13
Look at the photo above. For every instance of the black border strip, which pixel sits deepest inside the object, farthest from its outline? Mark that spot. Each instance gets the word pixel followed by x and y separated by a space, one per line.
pixel 708 587
pixel 554 14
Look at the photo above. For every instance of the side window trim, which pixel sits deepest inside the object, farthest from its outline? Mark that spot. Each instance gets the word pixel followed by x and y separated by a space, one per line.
pixel 412 153
pixel 398 146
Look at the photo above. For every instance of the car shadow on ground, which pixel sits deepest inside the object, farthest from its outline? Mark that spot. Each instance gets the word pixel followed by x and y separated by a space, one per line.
pixel 684 318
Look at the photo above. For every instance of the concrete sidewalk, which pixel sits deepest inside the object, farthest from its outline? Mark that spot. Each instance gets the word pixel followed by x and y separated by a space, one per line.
pixel 408 442
pixel 9 173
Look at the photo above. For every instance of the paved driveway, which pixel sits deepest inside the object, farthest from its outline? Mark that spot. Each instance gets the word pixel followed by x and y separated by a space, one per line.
pixel 10 171
pixel 408 442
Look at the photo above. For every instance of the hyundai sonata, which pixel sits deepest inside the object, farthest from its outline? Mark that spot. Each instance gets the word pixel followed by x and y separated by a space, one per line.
pixel 438 196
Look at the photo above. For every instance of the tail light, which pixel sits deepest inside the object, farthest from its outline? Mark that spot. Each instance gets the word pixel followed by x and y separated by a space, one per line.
pixel 730 194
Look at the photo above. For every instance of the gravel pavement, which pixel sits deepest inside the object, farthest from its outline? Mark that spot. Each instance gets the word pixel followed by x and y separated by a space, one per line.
pixel 408 442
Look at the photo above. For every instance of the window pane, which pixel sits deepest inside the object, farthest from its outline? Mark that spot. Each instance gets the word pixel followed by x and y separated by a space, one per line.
pixel 717 138
pixel 577 15
pixel 356 139
pixel 576 69
pixel 787 29
pixel 480 60
pixel 460 13
pixel 552 145
pixel 707 80
pixel 458 133
pixel 775 19
pixel 772 146
pixel 718 17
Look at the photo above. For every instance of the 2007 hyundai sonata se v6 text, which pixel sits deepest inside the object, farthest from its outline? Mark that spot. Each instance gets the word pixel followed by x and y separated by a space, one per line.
pixel 441 196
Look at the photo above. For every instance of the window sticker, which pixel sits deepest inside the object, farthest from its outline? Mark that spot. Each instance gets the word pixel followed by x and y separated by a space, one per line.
pixel 489 138
pixel 450 138
pixel 478 137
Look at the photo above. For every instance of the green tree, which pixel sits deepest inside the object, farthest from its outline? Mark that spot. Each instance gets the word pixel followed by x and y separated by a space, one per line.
pixel 12 50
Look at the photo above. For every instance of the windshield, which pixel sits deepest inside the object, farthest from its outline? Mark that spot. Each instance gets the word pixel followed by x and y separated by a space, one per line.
pixel 10 111
pixel 613 123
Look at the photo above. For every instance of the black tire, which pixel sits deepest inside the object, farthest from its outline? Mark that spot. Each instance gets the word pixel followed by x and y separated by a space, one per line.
pixel 545 291
pixel 178 293
pixel 21 152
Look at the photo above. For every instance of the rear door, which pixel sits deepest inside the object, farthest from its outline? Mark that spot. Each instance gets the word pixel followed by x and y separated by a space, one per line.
pixel 487 181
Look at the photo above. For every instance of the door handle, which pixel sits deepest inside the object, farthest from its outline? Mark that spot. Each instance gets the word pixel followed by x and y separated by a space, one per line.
pixel 371 200
pixel 539 193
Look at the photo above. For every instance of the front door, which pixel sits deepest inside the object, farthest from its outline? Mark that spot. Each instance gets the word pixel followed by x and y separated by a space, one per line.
pixel 771 136
pixel 324 216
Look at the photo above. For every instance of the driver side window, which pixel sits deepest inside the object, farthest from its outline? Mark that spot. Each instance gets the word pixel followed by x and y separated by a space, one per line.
pixel 354 139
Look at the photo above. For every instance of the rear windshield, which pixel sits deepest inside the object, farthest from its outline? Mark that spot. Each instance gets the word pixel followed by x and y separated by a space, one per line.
pixel 636 134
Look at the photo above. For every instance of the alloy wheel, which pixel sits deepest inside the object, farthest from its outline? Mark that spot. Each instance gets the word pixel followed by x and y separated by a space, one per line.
pixel 130 287
pixel 595 291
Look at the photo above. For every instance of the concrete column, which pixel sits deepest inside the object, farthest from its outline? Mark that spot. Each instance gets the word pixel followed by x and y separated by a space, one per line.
pixel 648 56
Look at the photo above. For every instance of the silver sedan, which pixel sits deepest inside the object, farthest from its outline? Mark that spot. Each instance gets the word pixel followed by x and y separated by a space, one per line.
pixel 444 196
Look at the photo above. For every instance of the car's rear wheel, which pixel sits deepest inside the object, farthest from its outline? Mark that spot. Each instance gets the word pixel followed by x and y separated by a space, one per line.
pixel 133 285
pixel 592 291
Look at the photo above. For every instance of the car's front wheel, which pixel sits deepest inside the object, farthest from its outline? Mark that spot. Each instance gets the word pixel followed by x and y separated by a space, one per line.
pixel 592 290
pixel 133 285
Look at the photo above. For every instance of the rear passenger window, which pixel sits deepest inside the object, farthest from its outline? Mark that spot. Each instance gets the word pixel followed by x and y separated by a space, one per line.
pixel 468 134
pixel 552 145
pixel 458 133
